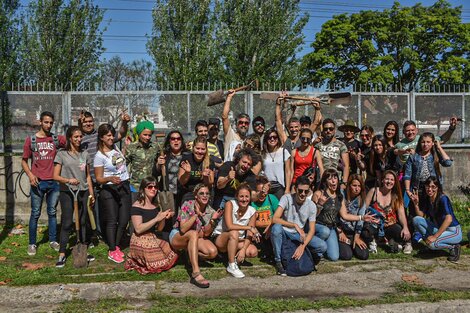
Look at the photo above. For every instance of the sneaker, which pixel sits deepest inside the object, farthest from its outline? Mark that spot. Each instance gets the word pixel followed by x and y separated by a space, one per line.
pixel 407 249
pixel 61 262
pixel 120 252
pixel 115 256
pixel 32 249
pixel 54 245
pixel 454 254
pixel 90 258
pixel 280 269
pixel 373 246
pixel 235 271
pixel 417 237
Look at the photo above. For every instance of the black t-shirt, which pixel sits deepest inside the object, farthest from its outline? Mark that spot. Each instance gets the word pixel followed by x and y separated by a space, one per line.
pixel 231 187
pixel 352 146
pixel 147 215
pixel 195 176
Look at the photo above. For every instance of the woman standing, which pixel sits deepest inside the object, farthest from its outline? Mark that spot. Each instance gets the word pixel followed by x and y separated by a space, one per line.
pixel 391 133
pixel 305 156
pixel 276 164
pixel 194 225
pixel 236 231
pixel 195 168
pixel 147 253
pixel 72 170
pixel 330 206
pixel 387 202
pixel 435 220
pixel 115 195
pixel 381 158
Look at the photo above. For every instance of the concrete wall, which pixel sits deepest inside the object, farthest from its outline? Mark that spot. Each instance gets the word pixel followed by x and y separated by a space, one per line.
pixel 15 202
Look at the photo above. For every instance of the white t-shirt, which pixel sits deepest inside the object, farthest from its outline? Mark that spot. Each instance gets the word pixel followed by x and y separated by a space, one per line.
pixel 231 135
pixel 244 220
pixel 113 163
pixel 273 165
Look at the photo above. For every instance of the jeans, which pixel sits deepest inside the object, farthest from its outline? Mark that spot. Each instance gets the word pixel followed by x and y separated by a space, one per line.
pixel 278 234
pixel 450 237
pixel 50 190
pixel 330 238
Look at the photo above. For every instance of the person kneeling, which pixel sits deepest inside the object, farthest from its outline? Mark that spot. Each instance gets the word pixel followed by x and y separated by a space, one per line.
pixel 239 217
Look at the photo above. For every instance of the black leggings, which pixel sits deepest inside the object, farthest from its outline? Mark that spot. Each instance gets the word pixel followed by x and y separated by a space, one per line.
pixel 115 208
pixel 346 251
pixel 66 220
pixel 394 232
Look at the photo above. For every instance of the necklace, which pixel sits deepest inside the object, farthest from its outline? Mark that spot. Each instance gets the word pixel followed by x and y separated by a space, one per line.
pixel 272 156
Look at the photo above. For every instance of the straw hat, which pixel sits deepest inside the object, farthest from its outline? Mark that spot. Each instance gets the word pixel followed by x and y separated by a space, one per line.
pixel 349 124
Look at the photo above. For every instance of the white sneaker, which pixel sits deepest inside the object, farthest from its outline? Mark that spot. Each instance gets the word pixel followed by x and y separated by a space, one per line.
pixel 235 271
pixel 373 246
pixel 408 248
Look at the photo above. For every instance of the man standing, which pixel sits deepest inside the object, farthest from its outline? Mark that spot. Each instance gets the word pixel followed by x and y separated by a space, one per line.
pixel 259 126
pixel 290 221
pixel 202 129
pixel 242 121
pixel 41 148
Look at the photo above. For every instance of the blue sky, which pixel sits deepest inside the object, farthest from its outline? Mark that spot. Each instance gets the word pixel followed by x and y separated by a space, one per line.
pixel 129 21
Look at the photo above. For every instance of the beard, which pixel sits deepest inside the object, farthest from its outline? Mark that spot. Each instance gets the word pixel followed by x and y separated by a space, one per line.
pixel 243 131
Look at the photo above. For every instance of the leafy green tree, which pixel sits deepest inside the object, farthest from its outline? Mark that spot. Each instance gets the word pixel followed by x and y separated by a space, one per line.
pixel 402 46
pixel 61 42
pixel 260 39
pixel 9 41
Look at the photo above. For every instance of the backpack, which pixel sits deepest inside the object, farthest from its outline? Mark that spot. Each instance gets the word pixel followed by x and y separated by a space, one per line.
pixel 34 144
pixel 300 267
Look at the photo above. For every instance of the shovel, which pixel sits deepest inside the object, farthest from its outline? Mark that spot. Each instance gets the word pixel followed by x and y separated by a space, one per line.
pixel 219 96
pixel 79 251
pixel 335 98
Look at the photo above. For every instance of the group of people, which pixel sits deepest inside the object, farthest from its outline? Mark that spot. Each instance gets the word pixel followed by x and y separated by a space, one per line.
pixel 244 195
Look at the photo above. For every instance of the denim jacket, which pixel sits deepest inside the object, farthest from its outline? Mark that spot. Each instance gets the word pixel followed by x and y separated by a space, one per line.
pixel 354 208
pixel 414 165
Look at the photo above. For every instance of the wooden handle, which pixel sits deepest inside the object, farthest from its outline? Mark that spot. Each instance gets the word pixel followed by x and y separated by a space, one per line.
pixel 75 213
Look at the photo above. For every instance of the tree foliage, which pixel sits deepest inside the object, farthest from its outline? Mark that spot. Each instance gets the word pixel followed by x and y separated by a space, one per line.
pixel 61 41
pixel 9 41
pixel 403 46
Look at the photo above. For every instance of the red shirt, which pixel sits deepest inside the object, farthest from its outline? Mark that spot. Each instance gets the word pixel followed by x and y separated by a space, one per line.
pixel 42 164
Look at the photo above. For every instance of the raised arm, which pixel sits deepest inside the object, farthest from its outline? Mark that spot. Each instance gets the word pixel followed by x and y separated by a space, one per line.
pixel 226 111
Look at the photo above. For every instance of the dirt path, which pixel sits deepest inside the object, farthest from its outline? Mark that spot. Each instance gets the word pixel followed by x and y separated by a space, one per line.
pixel 361 280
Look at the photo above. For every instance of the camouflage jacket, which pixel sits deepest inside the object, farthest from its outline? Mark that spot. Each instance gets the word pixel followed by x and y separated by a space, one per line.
pixel 140 161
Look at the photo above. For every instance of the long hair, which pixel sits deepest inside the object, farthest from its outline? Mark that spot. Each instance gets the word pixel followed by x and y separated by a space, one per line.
pixel 331 172
pixel 206 160
pixel 166 144
pixel 103 130
pixel 243 186
pixel 256 140
pixel 69 134
pixel 143 184
pixel 434 153
pixel 435 180
pixel 374 157
pixel 397 198
pixel 396 138
pixel 362 195
pixel 268 133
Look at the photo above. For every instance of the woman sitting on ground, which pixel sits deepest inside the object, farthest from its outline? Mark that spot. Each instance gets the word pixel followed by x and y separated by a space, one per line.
pixel 436 221
pixel 194 225
pixel 237 229
pixel 147 253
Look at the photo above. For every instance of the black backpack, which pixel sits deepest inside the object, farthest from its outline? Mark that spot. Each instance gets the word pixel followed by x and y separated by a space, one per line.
pixel 300 267
pixel 34 144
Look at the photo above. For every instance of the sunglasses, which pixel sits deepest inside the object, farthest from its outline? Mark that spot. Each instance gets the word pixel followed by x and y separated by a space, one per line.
pixel 273 137
pixel 258 124
pixel 365 135
pixel 329 129
pixel 202 193
pixel 303 191
pixel 243 123
pixel 175 138
pixel 151 187
pixel 305 139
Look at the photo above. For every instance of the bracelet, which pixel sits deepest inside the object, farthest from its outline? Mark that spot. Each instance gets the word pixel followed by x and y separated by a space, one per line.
pixel 360 218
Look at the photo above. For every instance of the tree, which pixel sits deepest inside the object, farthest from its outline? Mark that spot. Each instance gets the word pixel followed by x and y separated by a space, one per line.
pixel 61 42
pixel 9 41
pixel 403 46
pixel 260 39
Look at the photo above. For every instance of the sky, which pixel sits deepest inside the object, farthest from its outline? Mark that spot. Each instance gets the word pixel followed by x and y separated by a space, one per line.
pixel 129 22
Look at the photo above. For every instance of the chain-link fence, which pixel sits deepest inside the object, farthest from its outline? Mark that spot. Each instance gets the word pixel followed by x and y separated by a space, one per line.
pixel 182 109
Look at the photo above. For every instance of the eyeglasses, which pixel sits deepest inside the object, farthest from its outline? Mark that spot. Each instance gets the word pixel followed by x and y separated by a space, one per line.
pixel 202 193
pixel 303 191
pixel 273 137
pixel 305 139
pixel 175 138
pixel 328 129
pixel 432 187
pixel 243 123
pixel 256 124
pixel 151 187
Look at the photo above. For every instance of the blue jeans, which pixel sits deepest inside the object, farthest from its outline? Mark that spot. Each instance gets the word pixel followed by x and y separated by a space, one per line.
pixel 278 234
pixel 330 238
pixel 50 190
pixel 450 237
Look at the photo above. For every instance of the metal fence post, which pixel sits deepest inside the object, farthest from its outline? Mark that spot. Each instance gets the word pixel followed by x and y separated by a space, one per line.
pixel 188 103
pixel 359 110
pixel 464 118
pixel 250 104
pixel 411 106
pixel 66 110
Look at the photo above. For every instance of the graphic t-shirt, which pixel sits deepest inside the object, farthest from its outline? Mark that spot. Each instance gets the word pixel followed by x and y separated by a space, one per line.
pixel 331 153
pixel 195 175
pixel 265 210
pixel 73 165
pixel 113 163
pixel 42 164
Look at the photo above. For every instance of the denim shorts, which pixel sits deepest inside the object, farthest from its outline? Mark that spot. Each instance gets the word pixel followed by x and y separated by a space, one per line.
pixel 173 232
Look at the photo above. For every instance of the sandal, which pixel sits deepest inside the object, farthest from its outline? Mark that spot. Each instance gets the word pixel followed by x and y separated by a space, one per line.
pixel 201 284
